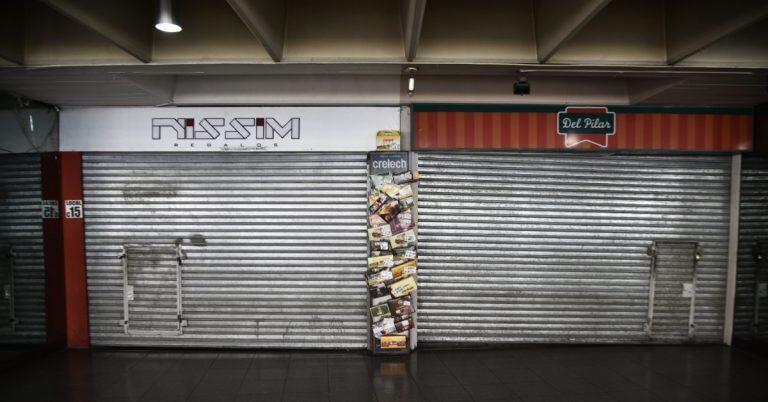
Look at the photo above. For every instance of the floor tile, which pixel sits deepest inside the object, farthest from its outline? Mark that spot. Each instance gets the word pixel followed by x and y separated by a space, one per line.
pixel 304 397
pixel 554 373
pixel 262 386
pixel 276 397
pixel 307 385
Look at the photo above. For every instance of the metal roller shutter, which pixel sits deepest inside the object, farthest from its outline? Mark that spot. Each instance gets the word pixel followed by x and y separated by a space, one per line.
pixel 21 228
pixel 753 229
pixel 553 247
pixel 274 245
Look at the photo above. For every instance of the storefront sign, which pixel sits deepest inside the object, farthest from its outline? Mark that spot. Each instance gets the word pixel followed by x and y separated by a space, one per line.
pixel 586 124
pixel 50 209
pixel 188 129
pixel 543 127
pixel 388 162
pixel 74 209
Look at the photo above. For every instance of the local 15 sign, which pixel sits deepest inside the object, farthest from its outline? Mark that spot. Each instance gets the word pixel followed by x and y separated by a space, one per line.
pixel 592 125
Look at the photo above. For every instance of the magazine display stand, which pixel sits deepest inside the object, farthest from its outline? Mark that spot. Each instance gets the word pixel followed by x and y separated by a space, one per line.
pixel 392 249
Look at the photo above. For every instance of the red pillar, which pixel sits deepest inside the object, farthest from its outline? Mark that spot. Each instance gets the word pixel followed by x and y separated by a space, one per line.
pixel 64 248
pixel 73 236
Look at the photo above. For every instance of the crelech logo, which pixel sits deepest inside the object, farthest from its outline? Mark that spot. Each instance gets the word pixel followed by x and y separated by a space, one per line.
pixel 586 125
pixel 241 128
pixel 388 162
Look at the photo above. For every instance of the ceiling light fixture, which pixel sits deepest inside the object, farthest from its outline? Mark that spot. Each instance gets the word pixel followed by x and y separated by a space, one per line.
pixel 166 20
pixel 411 79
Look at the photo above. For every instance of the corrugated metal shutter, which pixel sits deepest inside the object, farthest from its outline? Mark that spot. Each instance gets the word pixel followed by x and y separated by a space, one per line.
pixel 753 229
pixel 275 244
pixel 553 248
pixel 21 227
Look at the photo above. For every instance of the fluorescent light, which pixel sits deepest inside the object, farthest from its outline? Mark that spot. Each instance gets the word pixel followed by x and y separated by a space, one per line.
pixel 411 79
pixel 167 27
pixel 166 20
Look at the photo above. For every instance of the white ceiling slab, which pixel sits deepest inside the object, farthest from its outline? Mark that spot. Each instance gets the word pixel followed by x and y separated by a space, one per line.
pixel 74 52
pixel 458 31
pixel 12 32
pixel 125 23
pixel 746 49
pixel 625 32
pixel 692 25
pixel 556 25
pixel 53 39
pixel 341 30
pixel 211 32
pixel 266 21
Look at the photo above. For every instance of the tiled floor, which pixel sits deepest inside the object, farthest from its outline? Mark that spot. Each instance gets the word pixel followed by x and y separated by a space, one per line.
pixel 554 373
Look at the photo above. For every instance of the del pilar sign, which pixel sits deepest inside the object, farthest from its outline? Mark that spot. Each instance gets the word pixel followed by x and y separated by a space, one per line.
pixel 580 124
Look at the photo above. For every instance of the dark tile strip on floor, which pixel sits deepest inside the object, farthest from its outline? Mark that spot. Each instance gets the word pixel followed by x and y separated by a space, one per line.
pixel 554 373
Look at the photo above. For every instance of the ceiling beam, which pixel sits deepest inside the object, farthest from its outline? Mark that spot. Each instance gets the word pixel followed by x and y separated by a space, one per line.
pixel 162 86
pixel 692 27
pixel 556 23
pixel 125 23
pixel 412 19
pixel 640 89
pixel 12 31
pixel 266 21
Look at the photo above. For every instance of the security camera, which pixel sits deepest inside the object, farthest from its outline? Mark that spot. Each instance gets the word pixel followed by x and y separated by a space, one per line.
pixel 521 87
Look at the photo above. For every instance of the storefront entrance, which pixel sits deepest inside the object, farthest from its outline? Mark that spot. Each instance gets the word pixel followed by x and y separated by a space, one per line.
pixel 271 249
pixel 554 247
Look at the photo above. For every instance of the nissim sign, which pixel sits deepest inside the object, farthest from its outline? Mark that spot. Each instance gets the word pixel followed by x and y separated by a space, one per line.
pixel 225 129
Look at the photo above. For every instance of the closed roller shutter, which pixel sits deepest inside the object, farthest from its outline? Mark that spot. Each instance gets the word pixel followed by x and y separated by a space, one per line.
pixel 553 248
pixel 274 246
pixel 21 228
pixel 753 230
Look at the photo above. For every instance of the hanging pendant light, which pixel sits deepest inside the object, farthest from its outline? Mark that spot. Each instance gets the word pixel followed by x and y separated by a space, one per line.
pixel 166 20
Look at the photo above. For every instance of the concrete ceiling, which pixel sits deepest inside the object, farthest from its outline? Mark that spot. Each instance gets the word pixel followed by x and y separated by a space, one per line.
pixel 91 52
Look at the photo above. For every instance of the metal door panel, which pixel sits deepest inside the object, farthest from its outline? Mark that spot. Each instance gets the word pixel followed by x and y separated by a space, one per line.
pixel 753 232
pixel 275 245
pixel 21 228
pixel 542 247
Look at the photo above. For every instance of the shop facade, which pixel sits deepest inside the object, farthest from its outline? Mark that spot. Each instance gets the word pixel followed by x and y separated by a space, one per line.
pixel 226 227
pixel 534 231
pixel 216 227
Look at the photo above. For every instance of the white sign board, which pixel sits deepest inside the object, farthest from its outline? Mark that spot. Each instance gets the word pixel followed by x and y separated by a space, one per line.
pixel 74 209
pixel 50 209
pixel 217 129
